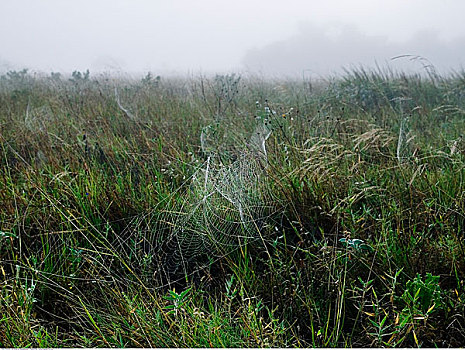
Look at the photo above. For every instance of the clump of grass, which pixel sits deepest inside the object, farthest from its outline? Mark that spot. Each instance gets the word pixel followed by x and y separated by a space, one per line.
pixel 138 213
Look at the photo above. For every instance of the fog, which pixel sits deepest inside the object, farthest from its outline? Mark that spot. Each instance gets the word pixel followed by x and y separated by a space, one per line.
pixel 317 52
pixel 293 37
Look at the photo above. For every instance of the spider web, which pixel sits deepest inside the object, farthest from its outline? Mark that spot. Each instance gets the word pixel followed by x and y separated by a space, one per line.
pixel 224 208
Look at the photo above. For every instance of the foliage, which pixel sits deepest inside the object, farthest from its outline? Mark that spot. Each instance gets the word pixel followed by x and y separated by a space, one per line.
pixel 232 211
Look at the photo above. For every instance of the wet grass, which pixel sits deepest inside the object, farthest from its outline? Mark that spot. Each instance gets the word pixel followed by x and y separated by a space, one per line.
pixel 361 245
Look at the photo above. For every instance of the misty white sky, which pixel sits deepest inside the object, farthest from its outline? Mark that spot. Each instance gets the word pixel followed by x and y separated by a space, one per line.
pixel 208 36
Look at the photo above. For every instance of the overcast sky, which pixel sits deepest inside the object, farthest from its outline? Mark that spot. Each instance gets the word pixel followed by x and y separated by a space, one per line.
pixel 208 36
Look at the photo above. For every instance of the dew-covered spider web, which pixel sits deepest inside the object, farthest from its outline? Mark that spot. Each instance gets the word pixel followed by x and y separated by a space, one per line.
pixel 224 207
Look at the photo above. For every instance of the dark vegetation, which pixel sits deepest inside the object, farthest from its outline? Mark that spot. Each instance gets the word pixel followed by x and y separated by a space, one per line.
pixel 137 213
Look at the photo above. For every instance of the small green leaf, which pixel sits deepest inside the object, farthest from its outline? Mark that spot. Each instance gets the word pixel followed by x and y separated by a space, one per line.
pixel 365 246
pixel 356 242
pixel 183 294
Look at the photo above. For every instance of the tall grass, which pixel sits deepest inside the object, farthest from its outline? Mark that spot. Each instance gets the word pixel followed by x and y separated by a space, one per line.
pixel 232 211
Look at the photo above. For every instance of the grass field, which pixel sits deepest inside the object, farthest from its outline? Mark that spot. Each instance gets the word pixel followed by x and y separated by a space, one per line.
pixel 232 211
